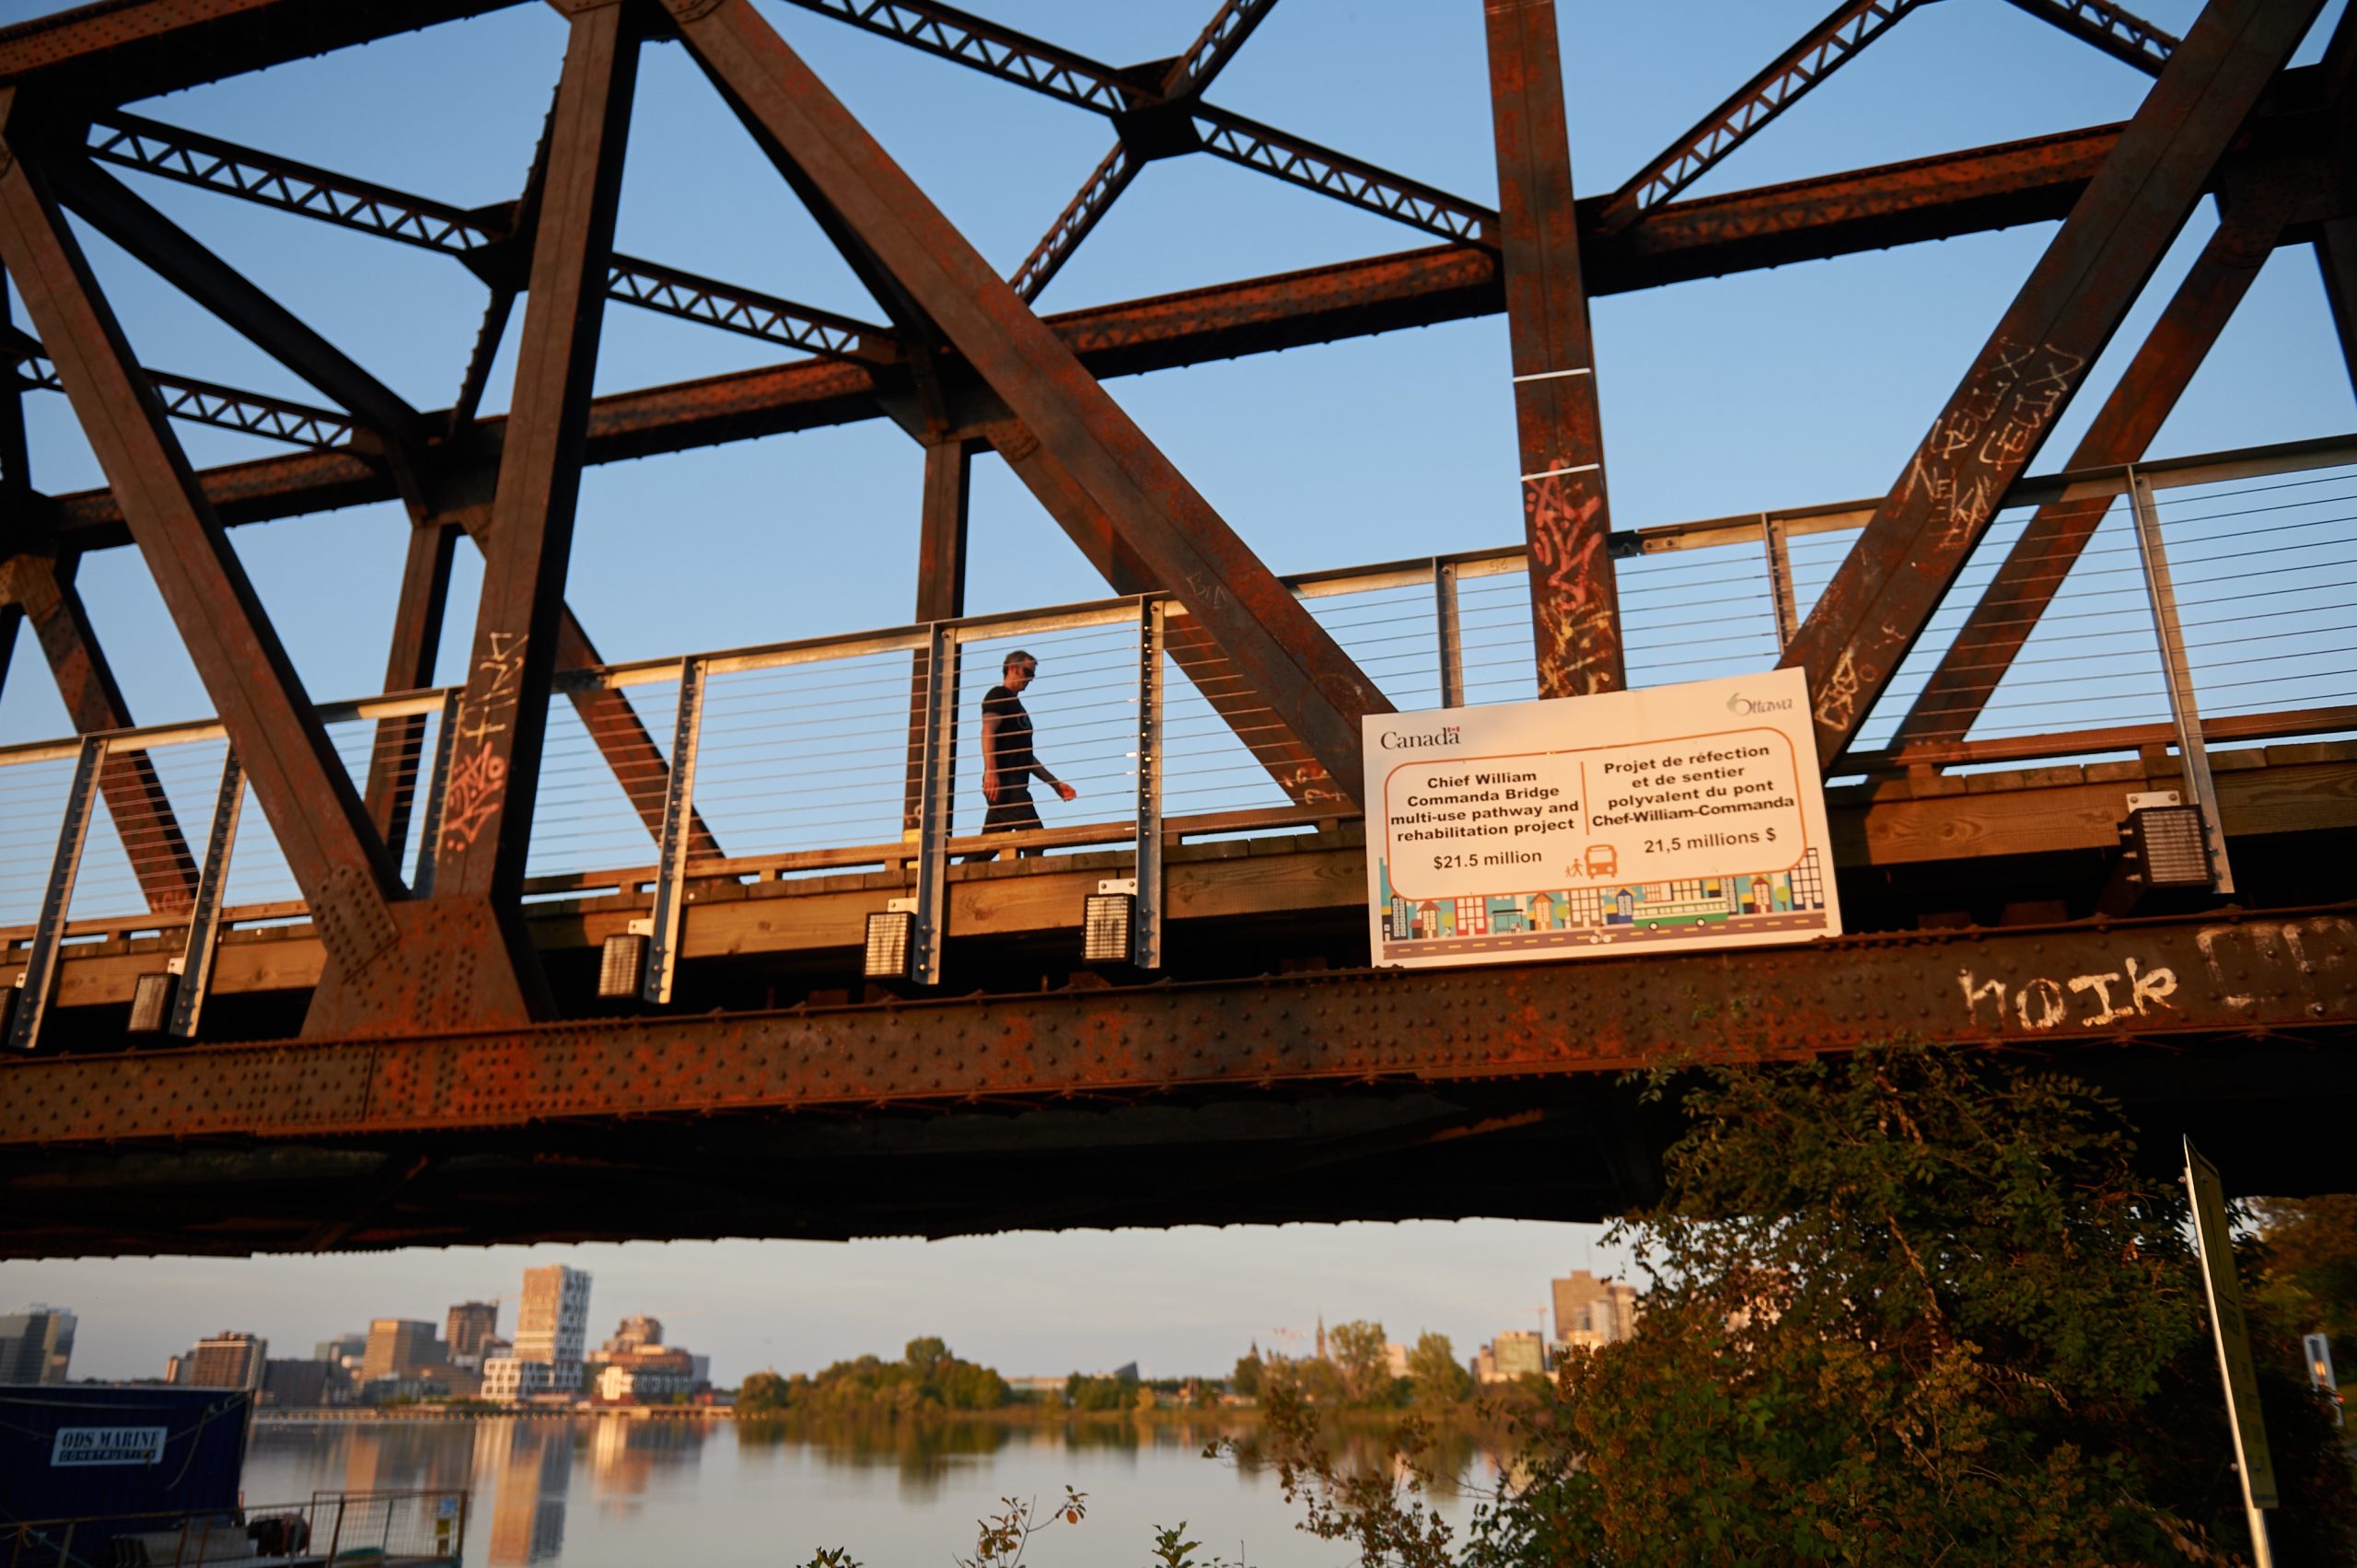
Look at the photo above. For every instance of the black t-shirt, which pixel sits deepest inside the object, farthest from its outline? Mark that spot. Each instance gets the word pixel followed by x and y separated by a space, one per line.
pixel 1011 755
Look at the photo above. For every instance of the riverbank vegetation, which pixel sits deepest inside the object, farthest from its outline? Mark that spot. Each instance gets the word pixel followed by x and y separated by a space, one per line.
pixel 1904 1308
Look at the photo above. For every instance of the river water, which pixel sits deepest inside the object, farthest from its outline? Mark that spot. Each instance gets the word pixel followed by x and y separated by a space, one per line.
pixel 608 1492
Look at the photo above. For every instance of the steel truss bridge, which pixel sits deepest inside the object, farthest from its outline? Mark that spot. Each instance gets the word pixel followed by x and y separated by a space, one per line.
pixel 577 949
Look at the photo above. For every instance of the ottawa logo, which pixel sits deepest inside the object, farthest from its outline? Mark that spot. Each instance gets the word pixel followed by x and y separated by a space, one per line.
pixel 1739 704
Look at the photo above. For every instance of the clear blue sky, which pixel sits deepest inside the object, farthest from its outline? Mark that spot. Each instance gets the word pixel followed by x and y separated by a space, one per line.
pixel 1807 383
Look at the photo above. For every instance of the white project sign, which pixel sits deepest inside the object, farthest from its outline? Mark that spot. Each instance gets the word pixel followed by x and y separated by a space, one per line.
pixel 1677 817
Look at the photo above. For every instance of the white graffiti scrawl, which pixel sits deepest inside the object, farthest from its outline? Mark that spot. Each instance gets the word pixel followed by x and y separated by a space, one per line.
pixel 2042 1002
pixel 1988 432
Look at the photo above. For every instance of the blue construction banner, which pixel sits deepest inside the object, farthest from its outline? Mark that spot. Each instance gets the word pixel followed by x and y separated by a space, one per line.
pixel 1688 816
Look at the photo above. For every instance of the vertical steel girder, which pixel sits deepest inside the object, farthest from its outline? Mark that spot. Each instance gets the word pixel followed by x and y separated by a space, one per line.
pixel 143 818
pixel 1574 604
pixel 1904 562
pixel 393 761
pixel 1823 49
pixel 321 827
pixel 941 592
pixel 1080 433
pixel 503 715
pixel 2033 572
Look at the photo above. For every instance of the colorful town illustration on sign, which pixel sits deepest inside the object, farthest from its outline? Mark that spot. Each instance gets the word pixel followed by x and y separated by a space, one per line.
pixel 1682 816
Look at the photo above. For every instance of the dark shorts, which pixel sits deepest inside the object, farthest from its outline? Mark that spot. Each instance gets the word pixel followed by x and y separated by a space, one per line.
pixel 1012 812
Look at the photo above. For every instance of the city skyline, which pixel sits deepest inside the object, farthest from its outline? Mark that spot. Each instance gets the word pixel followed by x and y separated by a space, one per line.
pixel 1475 1280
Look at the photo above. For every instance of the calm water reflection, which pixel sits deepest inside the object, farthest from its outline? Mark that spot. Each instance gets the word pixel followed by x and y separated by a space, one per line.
pixel 609 1493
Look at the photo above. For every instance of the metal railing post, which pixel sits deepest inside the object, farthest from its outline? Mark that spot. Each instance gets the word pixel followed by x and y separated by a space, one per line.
pixel 2183 709
pixel 1452 634
pixel 429 821
pixel 933 801
pixel 39 976
pixel 678 817
pixel 1145 928
pixel 195 962
pixel 1779 580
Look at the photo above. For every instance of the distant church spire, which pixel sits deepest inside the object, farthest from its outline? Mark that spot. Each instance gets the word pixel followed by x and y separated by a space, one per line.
pixel 1322 1336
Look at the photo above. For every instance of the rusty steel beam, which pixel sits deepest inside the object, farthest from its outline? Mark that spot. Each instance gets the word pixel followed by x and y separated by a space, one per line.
pixel 1823 49
pixel 502 718
pixel 207 402
pixel 942 517
pixel 122 51
pixel 2175 981
pixel 987 47
pixel 490 239
pixel 1185 80
pixel 1566 518
pixel 2033 572
pixel 2030 181
pixel 1299 161
pixel 2336 248
pixel 398 750
pixel 2115 29
pixel 1877 604
pixel 210 163
pixel 670 292
pixel 1277 649
pixel 43 590
pixel 179 259
pixel 322 827
pixel 16 456
pixel 1096 197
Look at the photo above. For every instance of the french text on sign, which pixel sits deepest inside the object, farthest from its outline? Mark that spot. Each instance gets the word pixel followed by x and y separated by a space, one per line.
pixel 1685 815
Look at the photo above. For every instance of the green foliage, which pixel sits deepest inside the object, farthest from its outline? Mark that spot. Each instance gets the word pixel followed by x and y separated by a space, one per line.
pixel 761 1393
pixel 1435 1375
pixel 1901 1312
pixel 2309 1264
pixel 1086 1393
pixel 1246 1379
pixel 1001 1539
pixel 928 1378
pixel 1358 1356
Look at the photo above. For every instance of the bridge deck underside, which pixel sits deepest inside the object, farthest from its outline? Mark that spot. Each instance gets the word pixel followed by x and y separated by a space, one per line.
pixel 1329 1093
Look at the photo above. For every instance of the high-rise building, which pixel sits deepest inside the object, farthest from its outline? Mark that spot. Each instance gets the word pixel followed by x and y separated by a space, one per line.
pixel 36 1342
pixel 345 1350
pixel 228 1360
pixel 470 1323
pixel 300 1385
pixel 552 1322
pixel 1594 1312
pixel 397 1347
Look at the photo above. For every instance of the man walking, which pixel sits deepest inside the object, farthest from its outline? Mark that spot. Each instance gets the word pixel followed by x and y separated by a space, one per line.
pixel 1008 762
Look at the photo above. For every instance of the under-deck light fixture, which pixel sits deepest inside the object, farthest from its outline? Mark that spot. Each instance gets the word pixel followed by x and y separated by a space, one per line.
pixel 2171 847
pixel 891 943
pixel 622 966
pixel 1109 922
pixel 151 1003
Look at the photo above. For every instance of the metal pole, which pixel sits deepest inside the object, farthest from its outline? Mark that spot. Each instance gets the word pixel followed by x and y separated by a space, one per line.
pixel 1452 634
pixel 429 826
pixel 40 977
pixel 1145 928
pixel 1779 579
pixel 678 813
pixel 2152 550
pixel 932 828
pixel 204 910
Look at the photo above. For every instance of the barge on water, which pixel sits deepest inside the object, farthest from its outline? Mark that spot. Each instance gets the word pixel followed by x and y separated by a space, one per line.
pixel 94 1476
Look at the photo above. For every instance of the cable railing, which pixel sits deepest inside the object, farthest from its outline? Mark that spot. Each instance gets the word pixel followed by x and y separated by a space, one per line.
pixel 843 754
